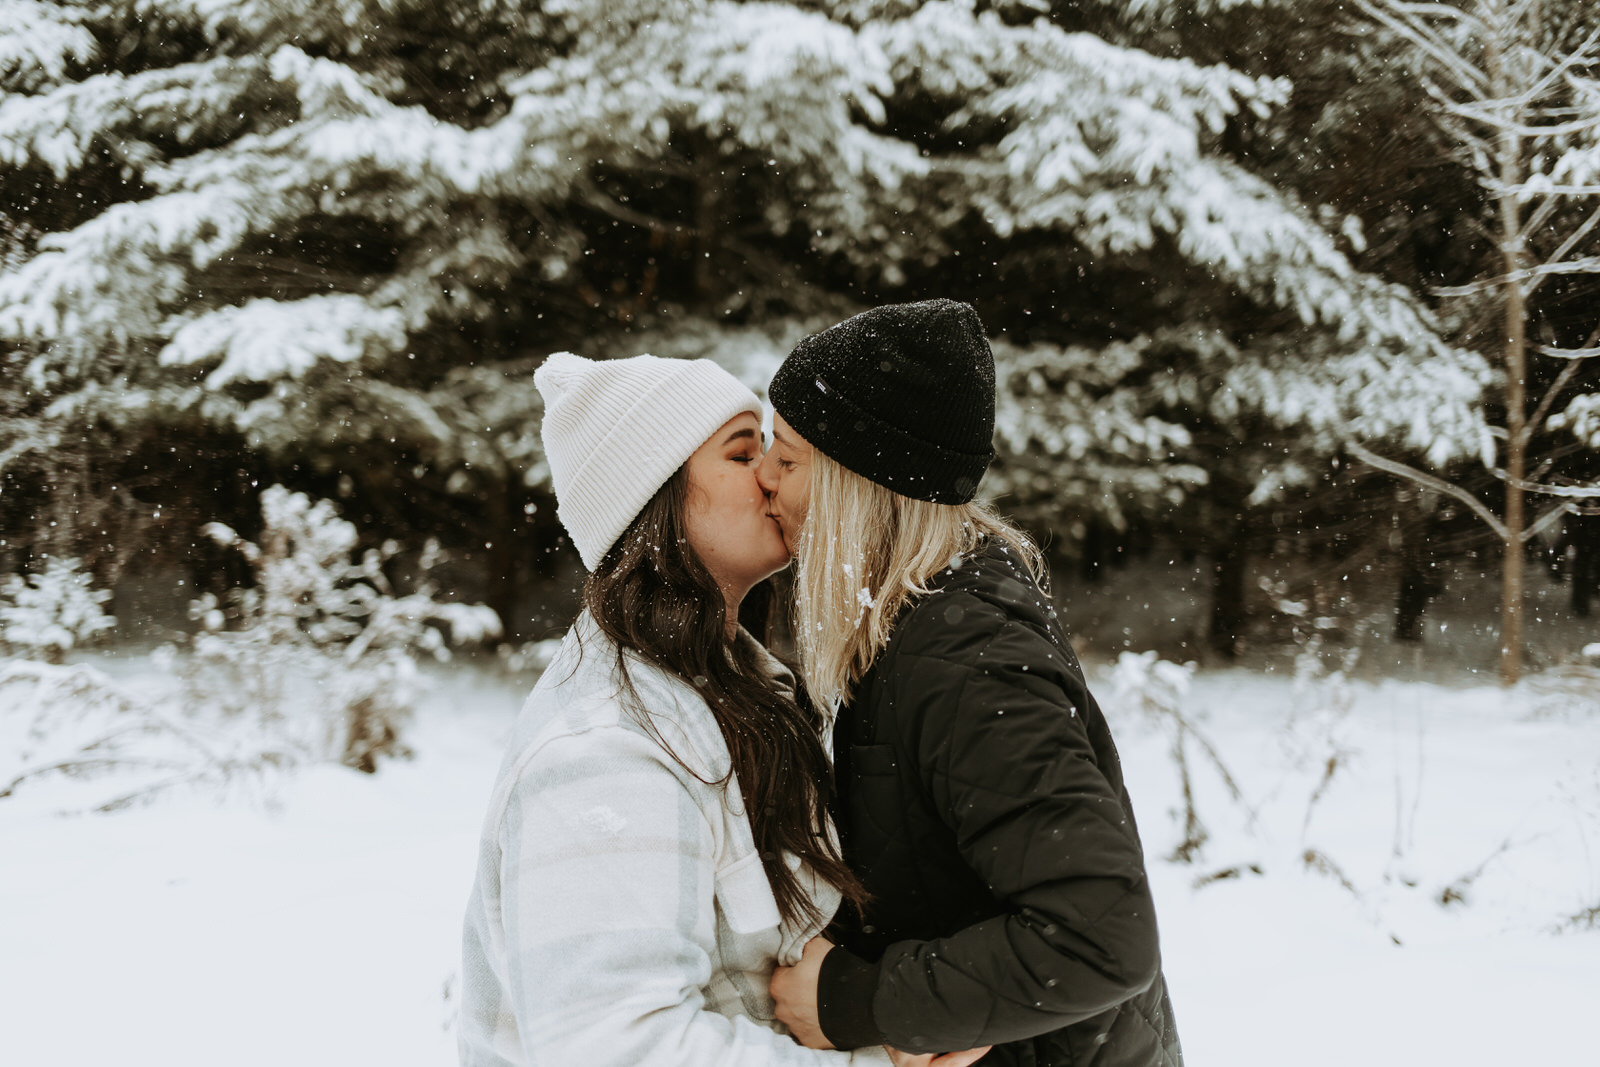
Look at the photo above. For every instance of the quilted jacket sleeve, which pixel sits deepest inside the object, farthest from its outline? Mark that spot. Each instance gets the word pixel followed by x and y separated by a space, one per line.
pixel 606 885
pixel 1004 753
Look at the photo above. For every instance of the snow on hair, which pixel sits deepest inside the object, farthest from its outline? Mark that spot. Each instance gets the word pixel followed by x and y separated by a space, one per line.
pixel 863 551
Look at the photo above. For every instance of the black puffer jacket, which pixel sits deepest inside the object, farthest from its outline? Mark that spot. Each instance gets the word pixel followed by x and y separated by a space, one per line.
pixel 980 797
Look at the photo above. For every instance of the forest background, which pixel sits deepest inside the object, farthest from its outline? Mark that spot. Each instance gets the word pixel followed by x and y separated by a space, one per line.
pixel 1222 247
pixel 1295 307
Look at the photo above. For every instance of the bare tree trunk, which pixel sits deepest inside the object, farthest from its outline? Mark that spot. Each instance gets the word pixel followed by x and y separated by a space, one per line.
pixel 1512 566
pixel 1228 611
pixel 1419 581
pixel 1516 362
pixel 1583 546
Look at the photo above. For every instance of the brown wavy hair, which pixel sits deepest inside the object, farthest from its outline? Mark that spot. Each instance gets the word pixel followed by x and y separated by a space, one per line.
pixel 653 595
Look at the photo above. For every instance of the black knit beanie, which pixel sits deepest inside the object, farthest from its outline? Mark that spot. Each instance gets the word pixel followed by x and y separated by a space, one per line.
pixel 902 395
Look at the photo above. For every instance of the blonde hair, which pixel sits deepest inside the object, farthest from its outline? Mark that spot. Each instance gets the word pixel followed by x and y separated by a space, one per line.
pixel 864 551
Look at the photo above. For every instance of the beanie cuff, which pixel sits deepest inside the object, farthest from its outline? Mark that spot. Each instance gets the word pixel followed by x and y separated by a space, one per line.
pixel 878 451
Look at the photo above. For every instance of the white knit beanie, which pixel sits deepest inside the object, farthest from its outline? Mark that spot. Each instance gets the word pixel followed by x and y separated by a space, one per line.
pixel 616 429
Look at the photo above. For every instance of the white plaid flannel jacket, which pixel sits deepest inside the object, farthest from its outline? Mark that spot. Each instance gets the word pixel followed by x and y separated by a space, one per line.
pixel 621 916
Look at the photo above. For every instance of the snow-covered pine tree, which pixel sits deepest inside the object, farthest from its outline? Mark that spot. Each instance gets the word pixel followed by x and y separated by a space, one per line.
pixel 334 231
pixel 254 190
pixel 345 233
pixel 51 611
pixel 1100 186
pixel 317 618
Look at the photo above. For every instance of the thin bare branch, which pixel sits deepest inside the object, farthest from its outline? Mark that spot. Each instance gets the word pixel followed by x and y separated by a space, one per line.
pixel 1401 470
pixel 1483 112
pixel 1449 118
pixel 1568 492
pixel 1550 394
pixel 1548 113
pixel 1512 114
pixel 1568 353
pixel 1541 215
pixel 607 205
pixel 1567 62
pixel 1545 521
pixel 1470 289
pixel 1498 114
pixel 1540 189
pixel 1516 14
pixel 1443 11
pixel 87 765
pixel 1572 241
pixel 1469 79
pixel 1586 265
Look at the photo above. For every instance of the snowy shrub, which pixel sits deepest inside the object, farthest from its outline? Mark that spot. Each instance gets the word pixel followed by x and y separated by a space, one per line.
pixel 48 613
pixel 1159 690
pixel 1154 686
pixel 531 657
pixel 76 722
pixel 1567 689
pixel 1314 734
pixel 1313 737
pixel 315 661
pixel 322 647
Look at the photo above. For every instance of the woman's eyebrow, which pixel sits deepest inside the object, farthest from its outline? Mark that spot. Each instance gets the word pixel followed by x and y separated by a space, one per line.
pixel 737 434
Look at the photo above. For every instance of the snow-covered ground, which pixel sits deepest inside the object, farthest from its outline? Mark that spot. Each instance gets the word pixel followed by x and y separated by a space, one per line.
pixel 315 920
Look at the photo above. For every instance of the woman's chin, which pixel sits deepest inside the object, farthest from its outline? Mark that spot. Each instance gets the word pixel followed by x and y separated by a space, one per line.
pixel 782 537
pixel 777 560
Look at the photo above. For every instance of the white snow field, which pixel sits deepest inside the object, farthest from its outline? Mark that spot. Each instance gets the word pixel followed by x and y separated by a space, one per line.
pixel 315 921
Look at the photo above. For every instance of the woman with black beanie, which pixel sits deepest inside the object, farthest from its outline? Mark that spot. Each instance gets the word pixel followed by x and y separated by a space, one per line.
pixel 979 797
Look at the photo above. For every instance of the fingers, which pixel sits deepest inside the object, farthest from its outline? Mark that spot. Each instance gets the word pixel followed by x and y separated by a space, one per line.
pixel 777 988
pixel 947 1059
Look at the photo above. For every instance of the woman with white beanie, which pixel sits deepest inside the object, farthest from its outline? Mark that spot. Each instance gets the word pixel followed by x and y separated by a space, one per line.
pixel 657 838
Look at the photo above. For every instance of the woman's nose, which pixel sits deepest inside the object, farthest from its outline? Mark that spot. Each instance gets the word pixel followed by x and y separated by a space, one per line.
pixel 767 474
